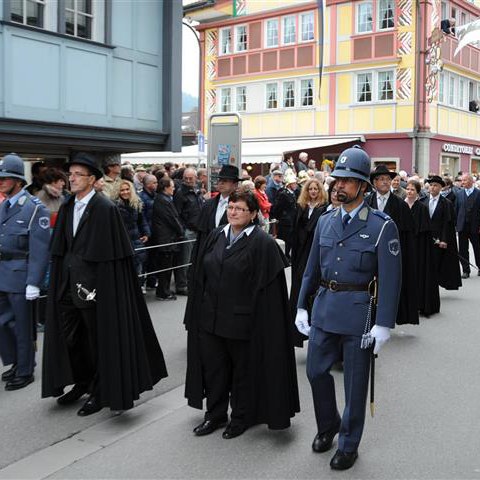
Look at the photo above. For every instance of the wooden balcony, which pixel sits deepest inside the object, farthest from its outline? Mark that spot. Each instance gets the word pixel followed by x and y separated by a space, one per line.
pixel 468 58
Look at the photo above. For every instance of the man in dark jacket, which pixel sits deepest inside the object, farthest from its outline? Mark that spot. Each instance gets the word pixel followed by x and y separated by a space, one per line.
pixel 98 333
pixel 188 201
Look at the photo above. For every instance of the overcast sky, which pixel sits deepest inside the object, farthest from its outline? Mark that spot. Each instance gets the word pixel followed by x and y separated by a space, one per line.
pixel 190 57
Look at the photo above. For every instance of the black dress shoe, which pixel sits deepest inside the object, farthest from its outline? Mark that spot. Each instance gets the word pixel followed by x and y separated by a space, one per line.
pixel 9 374
pixel 343 460
pixel 16 383
pixel 323 441
pixel 90 407
pixel 233 431
pixel 465 275
pixel 73 395
pixel 168 297
pixel 182 291
pixel 207 427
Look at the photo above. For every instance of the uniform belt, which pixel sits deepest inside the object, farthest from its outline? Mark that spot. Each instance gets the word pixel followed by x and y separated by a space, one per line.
pixel 13 256
pixel 334 286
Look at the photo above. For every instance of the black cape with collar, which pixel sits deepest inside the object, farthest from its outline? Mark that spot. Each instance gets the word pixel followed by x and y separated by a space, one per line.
pixel 303 233
pixel 398 210
pixel 272 379
pixel 427 281
pixel 130 359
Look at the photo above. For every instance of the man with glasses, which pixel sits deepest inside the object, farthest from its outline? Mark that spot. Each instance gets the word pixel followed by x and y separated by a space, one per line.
pixel 98 333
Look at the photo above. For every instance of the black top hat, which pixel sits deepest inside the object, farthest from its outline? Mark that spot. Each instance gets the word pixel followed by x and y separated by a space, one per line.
pixel 382 170
pixel 87 160
pixel 436 179
pixel 229 172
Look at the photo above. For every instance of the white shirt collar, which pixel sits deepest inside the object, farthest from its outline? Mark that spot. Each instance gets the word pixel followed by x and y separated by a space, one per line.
pixel 86 198
pixel 247 231
pixel 385 195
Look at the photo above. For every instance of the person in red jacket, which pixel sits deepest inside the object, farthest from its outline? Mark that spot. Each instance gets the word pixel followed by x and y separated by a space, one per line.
pixel 261 196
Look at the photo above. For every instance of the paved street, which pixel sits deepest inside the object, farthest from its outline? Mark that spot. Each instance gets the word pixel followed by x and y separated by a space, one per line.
pixel 425 427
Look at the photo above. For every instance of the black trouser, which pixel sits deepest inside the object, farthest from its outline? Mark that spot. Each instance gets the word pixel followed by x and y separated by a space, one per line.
pixel 463 238
pixel 164 260
pixel 225 370
pixel 79 328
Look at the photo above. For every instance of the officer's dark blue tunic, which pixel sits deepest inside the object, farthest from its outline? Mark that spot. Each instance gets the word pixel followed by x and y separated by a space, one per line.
pixel 24 240
pixel 368 247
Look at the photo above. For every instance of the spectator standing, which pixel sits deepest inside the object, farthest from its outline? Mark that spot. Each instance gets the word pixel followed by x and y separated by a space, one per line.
pixel 140 173
pixel 274 185
pixel 397 189
pixel 261 196
pixel 38 169
pixel 166 229
pixel 302 162
pixel 448 192
pixel 52 194
pixel 112 168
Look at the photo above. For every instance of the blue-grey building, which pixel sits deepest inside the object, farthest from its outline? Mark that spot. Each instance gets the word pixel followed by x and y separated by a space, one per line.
pixel 96 75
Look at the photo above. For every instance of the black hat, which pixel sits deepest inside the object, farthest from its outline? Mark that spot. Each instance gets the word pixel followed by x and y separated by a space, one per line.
pixel 382 170
pixel 436 179
pixel 87 160
pixel 229 172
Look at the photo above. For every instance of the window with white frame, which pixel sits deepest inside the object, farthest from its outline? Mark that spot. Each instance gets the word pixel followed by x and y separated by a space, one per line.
pixel 271 95
pixel 451 90
pixel 28 12
pixel 225 100
pixel 288 29
pixel 385 85
pixel 271 39
pixel 79 18
pixel 241 99
pixel 461 93
pixel 385 14
pixel 364 17
pixel 225 41
pixel 241 38
pixel 306 92
pixel 289 94
pixel 364 87
pixel 306 27
pixel 441 88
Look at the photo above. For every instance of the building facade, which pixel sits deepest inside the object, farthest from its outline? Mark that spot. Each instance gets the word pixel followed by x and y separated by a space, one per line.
pixel 94 75
pixel 389 77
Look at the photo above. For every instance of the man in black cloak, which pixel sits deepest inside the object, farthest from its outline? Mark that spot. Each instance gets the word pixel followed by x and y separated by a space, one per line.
pixel 384 200
pixel 98 333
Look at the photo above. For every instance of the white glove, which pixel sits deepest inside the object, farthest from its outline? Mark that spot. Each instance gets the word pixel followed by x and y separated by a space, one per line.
pixel 32 292
pixel 381 336
pixel 301 321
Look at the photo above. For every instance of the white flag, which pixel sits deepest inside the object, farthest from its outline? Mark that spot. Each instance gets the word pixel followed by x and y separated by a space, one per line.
pixel 469 33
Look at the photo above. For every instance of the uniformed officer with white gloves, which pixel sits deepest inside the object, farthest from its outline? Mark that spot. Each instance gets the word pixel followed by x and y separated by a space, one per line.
pixel 353 245
pixel 24 243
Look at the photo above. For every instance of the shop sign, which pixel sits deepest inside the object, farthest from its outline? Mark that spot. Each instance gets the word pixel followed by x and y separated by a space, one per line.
pixel 454 148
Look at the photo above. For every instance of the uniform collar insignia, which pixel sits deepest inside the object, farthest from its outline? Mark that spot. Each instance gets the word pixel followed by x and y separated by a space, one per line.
pixel 22 200
pixel 363 214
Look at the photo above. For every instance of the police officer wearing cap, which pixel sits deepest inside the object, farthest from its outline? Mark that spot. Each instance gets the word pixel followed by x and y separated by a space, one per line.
pixel 24 228
pixel 352 246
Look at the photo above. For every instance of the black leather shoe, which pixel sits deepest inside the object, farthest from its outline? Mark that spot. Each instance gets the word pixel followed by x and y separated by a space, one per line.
pixel 73 395
pixel 233 431
pixel 168 297
pixel 9 374
pixel 182 291
pixel 465 275
pixel 207 427
pixel 90 407
pixel 323 441
pixel 343 460
pixel 16 383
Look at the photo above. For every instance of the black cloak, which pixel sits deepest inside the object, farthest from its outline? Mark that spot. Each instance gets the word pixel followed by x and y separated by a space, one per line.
pixel 302 239
pixel 272 380
pixel 398 210
pixel 427 282
pixel 130 359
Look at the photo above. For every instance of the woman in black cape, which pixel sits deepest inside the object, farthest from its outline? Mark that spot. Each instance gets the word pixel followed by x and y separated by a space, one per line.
pixel 312 202
pixel 427 282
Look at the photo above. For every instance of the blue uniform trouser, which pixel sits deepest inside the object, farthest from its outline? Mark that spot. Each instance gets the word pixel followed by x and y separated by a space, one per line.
pixel 16 332
pixel 324 349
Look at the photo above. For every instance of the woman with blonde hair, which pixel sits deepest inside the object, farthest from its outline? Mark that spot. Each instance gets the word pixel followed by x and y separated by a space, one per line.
pixel 312 202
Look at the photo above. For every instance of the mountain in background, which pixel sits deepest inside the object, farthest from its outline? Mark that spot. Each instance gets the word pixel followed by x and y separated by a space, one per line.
pixel 189 102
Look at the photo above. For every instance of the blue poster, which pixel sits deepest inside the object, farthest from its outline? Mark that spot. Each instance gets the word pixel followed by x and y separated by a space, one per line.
pixel 223 154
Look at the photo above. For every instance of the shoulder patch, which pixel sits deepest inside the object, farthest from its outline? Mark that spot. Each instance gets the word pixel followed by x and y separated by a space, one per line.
pixel 380 214
pixel 394 247
pixel 44 222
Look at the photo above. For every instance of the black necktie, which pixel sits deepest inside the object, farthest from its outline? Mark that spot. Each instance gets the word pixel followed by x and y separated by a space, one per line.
pixel 345 220
pixel 7 204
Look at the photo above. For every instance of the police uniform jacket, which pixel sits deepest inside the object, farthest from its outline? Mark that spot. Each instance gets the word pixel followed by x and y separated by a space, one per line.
pixel 24 244
pixel 368 247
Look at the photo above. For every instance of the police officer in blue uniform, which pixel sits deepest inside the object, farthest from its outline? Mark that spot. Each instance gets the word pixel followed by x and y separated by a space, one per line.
pixel 24 240
pixel 352 246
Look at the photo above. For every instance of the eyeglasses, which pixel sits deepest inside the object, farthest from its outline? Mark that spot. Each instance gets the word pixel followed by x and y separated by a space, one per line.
pixel 230 208
pixel 76 174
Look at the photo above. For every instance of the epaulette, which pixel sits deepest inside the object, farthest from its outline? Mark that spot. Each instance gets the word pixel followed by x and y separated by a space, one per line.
pixel 328 212
pixel 380 214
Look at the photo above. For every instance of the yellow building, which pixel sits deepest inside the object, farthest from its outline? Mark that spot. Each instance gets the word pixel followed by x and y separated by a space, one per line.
pixel 389 77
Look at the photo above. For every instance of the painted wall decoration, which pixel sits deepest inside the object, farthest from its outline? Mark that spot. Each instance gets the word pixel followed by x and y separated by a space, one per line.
pixel 405 12
pixel 212 42
pixel 435 17
pixel 239 8
pixel 404 83
pixel 405 43
pixel 211 100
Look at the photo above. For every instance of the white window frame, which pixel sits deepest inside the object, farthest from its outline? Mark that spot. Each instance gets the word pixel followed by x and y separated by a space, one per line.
pixel 285 85
pixel 223 33
pixel 236 37
pixel 441 88
pixel 451 90
pixel 374 77
pixel 284 19
pixel 301 29
pixel 41 3
pixel 76 13
pixel 357 91
pixel 225 107
pixel 461 94
pixel 379 11
pixel 302 90
pixel 377 85
pixel 267 22
pixel 238 95
pixel 357 17
pixel 267 100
